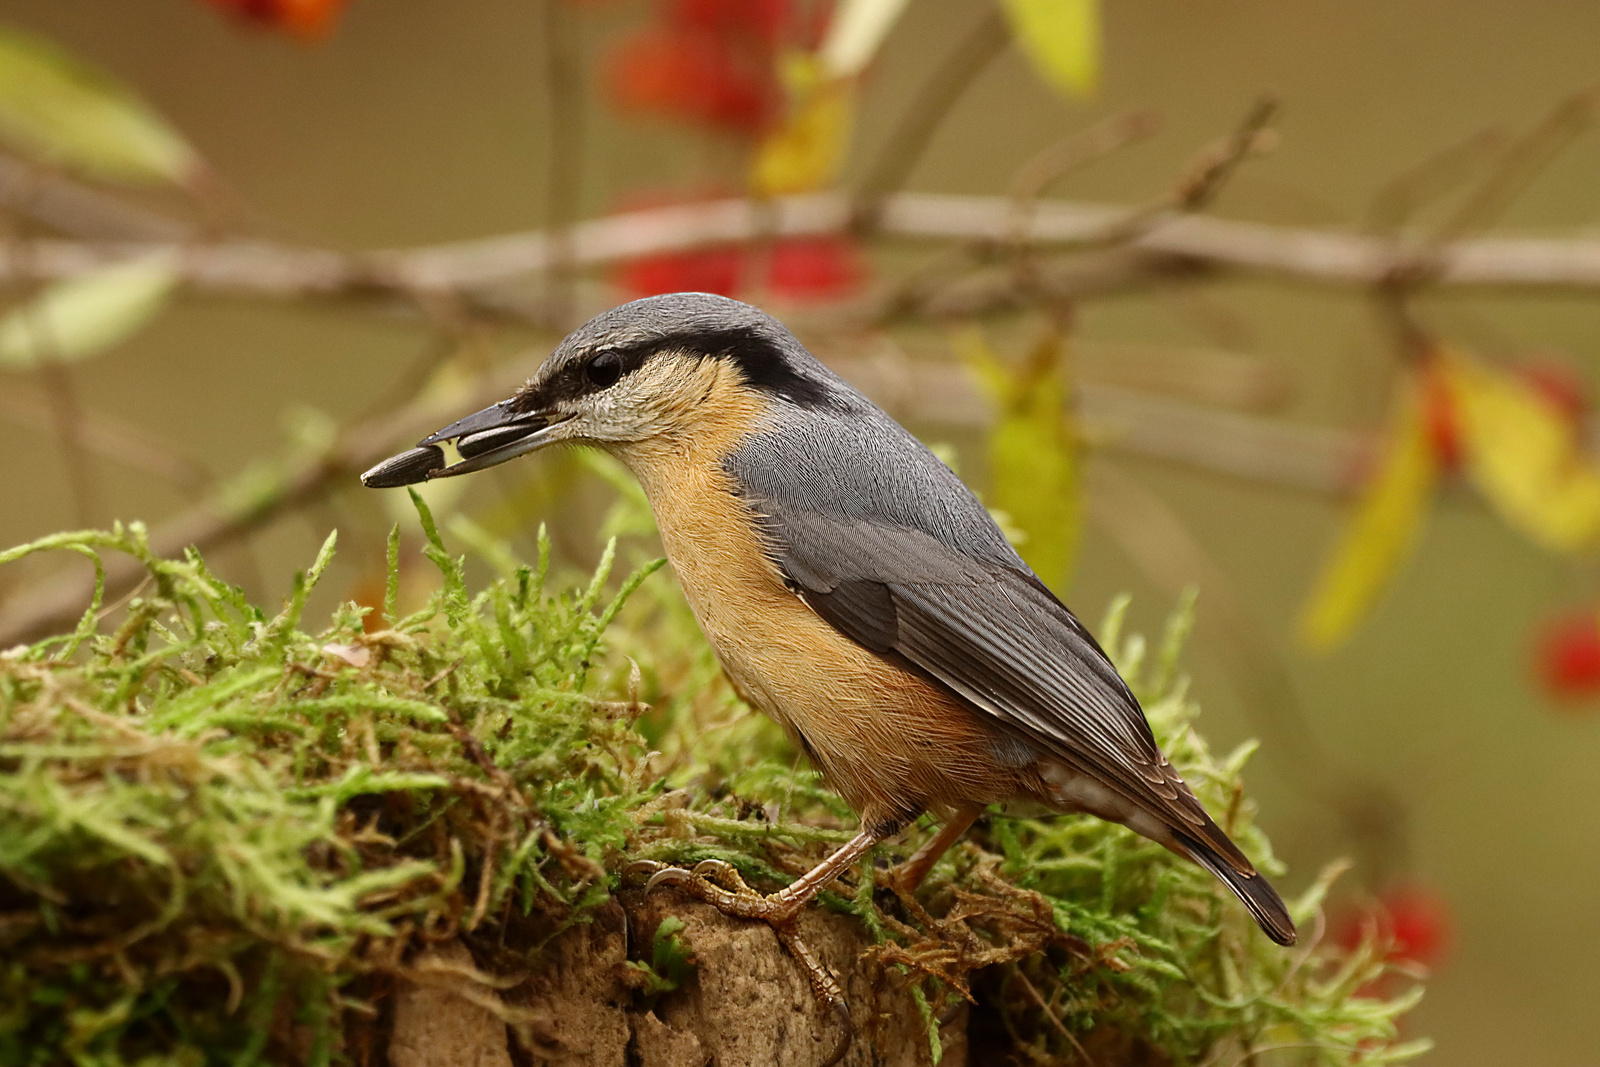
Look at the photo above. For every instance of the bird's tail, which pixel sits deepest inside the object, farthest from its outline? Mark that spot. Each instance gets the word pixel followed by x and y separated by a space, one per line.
pixel 1248 884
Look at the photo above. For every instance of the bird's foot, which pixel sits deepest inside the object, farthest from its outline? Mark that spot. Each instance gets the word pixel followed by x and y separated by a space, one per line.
pixel 719 884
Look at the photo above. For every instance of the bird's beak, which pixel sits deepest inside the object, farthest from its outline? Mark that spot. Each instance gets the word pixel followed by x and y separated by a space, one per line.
pixel 484 439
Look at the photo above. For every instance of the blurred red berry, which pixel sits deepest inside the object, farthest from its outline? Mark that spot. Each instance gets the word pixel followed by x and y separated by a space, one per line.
pixel 761 19
pixel 705 270
pixel 307 19
pixel 1562 387
pixel 1440 420
pixel 815 268
pixel 690 73
pixel 1569 656
pixel 1410 924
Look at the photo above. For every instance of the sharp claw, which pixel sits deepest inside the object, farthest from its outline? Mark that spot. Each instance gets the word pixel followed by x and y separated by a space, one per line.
pixel 841 1011
pixel 667 876
pixel 723 874
pixel 639 870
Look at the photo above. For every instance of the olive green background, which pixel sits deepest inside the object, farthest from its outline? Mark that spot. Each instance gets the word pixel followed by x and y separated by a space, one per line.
pixel 425 121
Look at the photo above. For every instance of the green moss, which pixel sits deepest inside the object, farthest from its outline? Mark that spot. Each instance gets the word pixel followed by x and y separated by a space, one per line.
pixel 221 834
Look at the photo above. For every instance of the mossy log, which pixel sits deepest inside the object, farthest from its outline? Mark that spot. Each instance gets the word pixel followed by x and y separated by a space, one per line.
pixel 746 1005
pixel 227 840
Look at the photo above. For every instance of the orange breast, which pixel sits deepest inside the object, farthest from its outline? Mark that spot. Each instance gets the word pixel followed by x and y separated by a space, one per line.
pixel 887 740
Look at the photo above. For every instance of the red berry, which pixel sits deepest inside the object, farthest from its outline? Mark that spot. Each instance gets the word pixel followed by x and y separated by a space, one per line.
pixel 306 19
pixel 1569 656
pixel 761 19
pixel 815 268
pixel 1409 924
pixel 1562 387
pixel 1440 420
pixel 689 73
pixel 706 270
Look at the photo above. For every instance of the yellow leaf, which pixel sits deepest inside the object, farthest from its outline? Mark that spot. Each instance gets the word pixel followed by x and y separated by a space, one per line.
pixel 62 112
pixel 1034 460
pixel 855 32
pixel 1381 531
pixel 1062 39
pixel 1524 456
pixel 84 316
pixel 806 152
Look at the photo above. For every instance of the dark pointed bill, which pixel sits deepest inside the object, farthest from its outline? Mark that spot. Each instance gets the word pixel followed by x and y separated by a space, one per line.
pixel 484 439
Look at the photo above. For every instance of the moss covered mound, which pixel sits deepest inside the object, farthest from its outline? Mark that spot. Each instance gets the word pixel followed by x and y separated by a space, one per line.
pixel 223 838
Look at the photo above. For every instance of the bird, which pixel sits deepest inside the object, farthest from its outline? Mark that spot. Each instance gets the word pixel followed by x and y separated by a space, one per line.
pixel 854 589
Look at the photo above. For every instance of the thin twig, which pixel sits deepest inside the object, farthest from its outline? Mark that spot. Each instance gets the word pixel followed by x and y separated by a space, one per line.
pixel 1522 161
pixel 1436 175
pixel 45 607
pixel 903 148
pixel 66 206
pixel 106 437
pixel 1205 176
pixel 1052 164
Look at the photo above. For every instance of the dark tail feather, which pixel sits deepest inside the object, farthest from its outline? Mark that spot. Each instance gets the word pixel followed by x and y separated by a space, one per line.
pixel 1258 895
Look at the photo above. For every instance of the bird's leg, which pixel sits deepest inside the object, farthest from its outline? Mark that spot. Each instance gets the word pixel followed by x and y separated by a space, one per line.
pixel 733 897
pixel 719 884
pixel 906 877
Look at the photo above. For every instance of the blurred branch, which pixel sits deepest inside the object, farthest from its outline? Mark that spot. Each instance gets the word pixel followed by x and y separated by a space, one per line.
pixel 903 148
pixel 70 207
pixel 1163 548
pixel 1058 160
pixel 1522 161
pixel 1205 176
pixel 1266 451
pixel 1435 176
pixel 1160 545
pixel 1175 244
pixel 564 168
pixel 1117 419
pixel 55 602
pixel 105 436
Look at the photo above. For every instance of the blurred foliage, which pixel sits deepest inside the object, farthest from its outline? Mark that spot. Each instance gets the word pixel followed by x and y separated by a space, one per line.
pixel 89 314
pixel 220 833
pixel 60 111
pixel 1383 528
pixel 1035 457
pixel 1516 438
pixel 1062 38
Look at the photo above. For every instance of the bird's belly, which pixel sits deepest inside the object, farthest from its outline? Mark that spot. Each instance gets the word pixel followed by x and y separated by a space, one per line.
pixel 890 742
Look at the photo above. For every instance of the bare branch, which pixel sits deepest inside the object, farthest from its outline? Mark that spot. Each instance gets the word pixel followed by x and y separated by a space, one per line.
pixel 1177 244
pixel 70 207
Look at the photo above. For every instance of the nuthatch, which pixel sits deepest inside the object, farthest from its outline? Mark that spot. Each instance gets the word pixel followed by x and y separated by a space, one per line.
pixel 854 589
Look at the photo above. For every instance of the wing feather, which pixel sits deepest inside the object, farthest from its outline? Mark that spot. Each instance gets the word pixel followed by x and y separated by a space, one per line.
pixel 904 560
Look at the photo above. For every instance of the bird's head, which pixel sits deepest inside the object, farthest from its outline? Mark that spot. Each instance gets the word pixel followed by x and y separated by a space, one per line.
pixel 651 372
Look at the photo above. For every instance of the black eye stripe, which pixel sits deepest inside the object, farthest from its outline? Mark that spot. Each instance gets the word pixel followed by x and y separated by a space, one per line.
pixel 762 366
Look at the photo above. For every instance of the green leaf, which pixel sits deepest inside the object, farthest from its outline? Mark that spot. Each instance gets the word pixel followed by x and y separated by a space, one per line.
pixel 855 34
pixel 58 110
pixel 1062 40
pixel 84 316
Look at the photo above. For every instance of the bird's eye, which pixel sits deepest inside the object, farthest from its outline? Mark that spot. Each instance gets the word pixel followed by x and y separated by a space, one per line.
pixel 604 369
